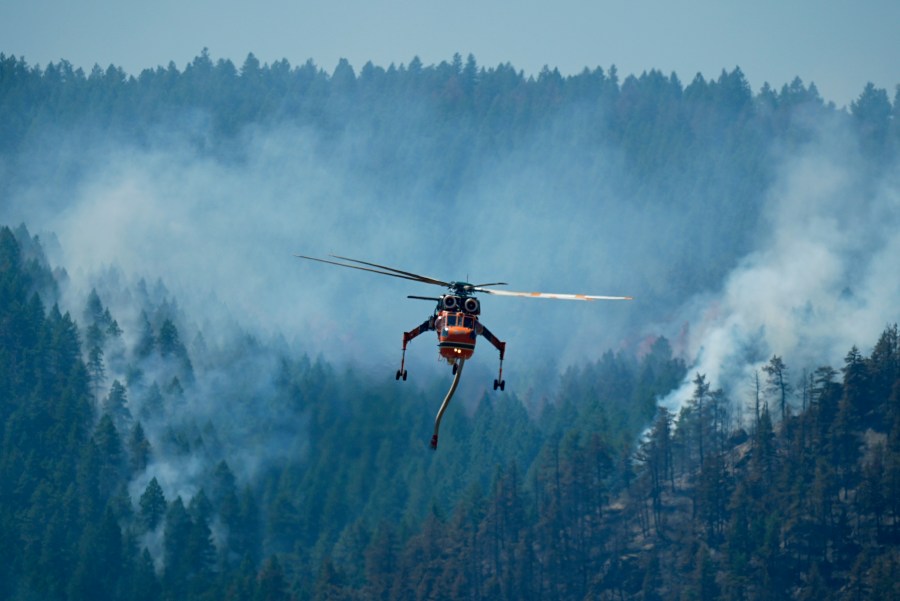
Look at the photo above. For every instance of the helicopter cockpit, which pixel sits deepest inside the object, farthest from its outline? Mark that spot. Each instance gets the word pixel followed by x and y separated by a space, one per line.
pixel 461 320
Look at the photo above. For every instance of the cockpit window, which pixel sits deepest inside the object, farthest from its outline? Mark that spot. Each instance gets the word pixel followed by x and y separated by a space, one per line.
pixel 451 320
pixel 469 322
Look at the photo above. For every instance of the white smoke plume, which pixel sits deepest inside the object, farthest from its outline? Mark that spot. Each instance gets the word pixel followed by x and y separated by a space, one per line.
pixel 825 275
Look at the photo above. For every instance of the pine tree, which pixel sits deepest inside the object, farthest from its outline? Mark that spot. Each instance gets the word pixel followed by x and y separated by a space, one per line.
pixel 872 113
pixel 116 406
pixel 139 449
pixel 777 383
pixel 883 369
pixel 271 585
pixel 200 552
pixel 111 457
pixel 145 584
pixel 699 411
pixel 101 562
pixel 330 584
pixel 246 537
pixel 96 369
pixel 380 561
pixel 152 505
pixel 844 436
pixel 702 585
pixel 93 312
pixel 147 340
pixel 151 407
pixel 871 496
pixel 656 455
pixel 176 559
pixel 169 342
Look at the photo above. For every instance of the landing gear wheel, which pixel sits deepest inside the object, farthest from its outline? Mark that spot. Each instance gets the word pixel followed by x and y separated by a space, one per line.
pixel 400 374
pixel 455 368
pixel 496 384
pixel 404 375
pixel 502 385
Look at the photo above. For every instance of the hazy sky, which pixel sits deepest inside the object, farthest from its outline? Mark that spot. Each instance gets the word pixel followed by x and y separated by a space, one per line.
pixel 840 45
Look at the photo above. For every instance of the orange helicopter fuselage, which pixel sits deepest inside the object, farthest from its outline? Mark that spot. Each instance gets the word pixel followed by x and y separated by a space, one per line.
pixel 457 332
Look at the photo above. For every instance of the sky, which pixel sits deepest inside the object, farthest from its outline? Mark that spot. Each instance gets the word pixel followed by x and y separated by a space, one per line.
pixel 840 45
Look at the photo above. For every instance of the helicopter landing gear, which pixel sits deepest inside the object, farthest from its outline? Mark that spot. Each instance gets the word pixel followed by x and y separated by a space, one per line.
pixel 500 382
pixel 401 373
pixel 426 325
pixel 500 346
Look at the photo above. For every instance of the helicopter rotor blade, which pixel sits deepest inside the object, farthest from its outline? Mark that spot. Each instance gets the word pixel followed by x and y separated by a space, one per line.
pixel 415 276
pixel 581 297
pixel 411 277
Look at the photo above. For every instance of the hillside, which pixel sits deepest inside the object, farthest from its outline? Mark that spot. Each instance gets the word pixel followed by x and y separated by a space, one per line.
pixel 556 505
pixel 186 414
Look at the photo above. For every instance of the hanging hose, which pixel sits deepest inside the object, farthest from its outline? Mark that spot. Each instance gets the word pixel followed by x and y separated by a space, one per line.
pixel 437 420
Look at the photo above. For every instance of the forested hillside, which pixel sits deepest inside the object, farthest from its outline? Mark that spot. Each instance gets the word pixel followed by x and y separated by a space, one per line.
pixel 561 505
pixel 338 460
pixel 153 449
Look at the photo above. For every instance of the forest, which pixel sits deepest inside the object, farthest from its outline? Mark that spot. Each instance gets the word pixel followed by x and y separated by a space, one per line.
pixel 147 454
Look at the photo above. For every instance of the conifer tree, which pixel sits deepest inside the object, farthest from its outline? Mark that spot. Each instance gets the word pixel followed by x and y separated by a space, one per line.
pixel 777 383
pixel 176 558
pixel 200 552
pixel 152 505
pixel 96 369
pixel 271 584
pixel 139 449
pixel 116 405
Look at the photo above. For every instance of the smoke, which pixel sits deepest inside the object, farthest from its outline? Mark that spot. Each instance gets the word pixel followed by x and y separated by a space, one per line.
pixel 221 236
pixel 823 278
pixel 177 233
pixel 554 212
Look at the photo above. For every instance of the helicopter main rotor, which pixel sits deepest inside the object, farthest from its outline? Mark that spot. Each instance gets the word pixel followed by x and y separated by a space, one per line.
pixel 463 289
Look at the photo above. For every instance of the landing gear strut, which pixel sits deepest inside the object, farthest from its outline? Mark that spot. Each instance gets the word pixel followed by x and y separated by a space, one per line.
pixel 500 382
pixel 500 346
pixel 426 325
pixel 401 373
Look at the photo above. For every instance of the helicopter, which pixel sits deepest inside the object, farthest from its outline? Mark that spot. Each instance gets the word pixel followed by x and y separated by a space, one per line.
pixel 456 319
